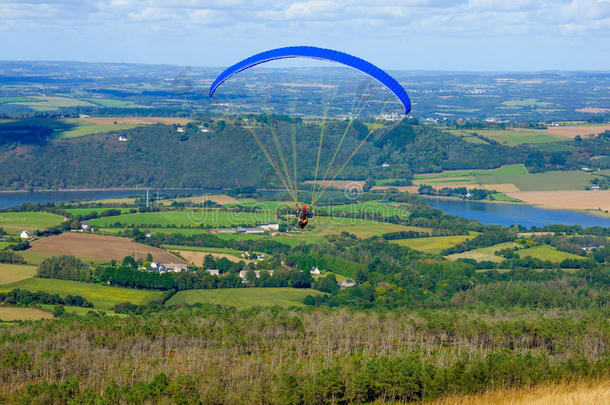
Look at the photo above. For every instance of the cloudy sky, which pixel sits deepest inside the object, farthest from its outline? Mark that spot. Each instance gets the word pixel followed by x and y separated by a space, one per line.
pixel 394 34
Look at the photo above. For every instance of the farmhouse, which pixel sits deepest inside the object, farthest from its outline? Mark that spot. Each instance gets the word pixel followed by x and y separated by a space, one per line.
pixel 85 226
pixel 271 226
pixel 163 267
pixel 180 129
pixel 122 138
pixel 315 270
pixel 347 283
pixel 250 230
pixel 213 272
pixel 24 234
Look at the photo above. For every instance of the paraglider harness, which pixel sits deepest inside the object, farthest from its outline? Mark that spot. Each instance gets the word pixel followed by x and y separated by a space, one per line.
pixel 303 216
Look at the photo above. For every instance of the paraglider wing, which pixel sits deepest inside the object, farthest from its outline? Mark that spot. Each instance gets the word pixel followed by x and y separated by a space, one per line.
pixel 317 53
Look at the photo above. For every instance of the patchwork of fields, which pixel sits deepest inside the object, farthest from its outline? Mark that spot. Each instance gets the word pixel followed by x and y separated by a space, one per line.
pixel 15 222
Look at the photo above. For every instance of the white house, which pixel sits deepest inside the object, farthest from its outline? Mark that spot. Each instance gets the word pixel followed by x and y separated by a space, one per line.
pixel 175 267
pixel 24 234
pixel 385 165
pixel 250 230
pixel 213 272
pixel 180 129
pixel 85 226
pixel 315 270
pixel 122 138
pixel 271 226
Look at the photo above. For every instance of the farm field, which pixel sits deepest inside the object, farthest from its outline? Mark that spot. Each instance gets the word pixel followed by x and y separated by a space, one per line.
pixel 98 247
pixel 52 103
pixel 15 222
pixel 547 253
pixel 433 245
pixel 217 198
pixel 510 137
pixel 82 128
pixel 35 258
pixel 23 314
pixel 136 120
pixel 102 296
pixel 572 199
pixel 191 219
pixel 483 254
pixel 196 257
pixel 570 131
pixel 243 297
pixel 11 273
pixel 385 209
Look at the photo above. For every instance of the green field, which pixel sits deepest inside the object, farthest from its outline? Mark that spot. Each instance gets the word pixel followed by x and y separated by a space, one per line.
pixel 434 244
pixel 385 209
pixel 15 222
pixel 11 273
pixel 483 254
pixel 516 169
pixel 510 137
pixel 553 180
pixel 108 102
pixel 547 253
pixel 52 103
pixel 35 258
pixel 191 219
pixel 82 128
pixel 102 296
pixel 243 297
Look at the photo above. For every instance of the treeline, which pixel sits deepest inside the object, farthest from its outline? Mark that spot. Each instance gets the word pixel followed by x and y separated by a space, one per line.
pixel 25 297
pixel 8 256
pixel 460 192
pixel 65 268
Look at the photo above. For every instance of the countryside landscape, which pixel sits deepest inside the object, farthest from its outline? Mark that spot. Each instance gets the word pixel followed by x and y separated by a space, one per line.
pixel 287 223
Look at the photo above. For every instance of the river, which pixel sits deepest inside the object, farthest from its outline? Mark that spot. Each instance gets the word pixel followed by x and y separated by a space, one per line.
pixel 511 214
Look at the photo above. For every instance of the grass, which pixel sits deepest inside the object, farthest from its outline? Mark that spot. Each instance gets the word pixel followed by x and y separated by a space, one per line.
pixel 15 222
pixel 503 197
pixel 243 297
pixel 433 245
pixel 82 128
pixel 510 137
pixel 189 219
pixel 23 314
pixel 525 102
pixel 565 393
pixel 385 209
pixel 102 296
pixel 339 277
pixel 226 251
pixel 545 181
pixel 515 169
pixel 11 273
pixel 548 253
pixel 85 211
pixel 51 103
pixel 483 254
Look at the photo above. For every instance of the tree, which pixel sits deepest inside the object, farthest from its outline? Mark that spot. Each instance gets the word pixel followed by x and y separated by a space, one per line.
pixel 209 262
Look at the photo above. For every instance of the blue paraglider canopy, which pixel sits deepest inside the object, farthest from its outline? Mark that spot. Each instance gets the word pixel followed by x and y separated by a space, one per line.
pixel 317 53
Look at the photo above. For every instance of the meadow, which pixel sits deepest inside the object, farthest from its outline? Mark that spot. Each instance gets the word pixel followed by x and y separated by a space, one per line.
pixel 483 254
pixel 433 245
pixel 547 253
pixel 102 296
pixel 15 222
pixel 242 297
pixel 510 137
pixel 82 128
pixel 189 219
pixel 11 273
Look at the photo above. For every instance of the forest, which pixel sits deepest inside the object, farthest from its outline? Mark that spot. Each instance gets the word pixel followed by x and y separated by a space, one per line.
pixel 158 156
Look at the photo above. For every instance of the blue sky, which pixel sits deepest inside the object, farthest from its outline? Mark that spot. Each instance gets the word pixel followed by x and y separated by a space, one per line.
pixel 394 34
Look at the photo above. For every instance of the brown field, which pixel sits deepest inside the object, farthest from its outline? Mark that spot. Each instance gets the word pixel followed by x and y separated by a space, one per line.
pixel 572 199
pixel 23 314
pixel 584 392
pixel 572 131
pixel 137 120
pixel 592 110
pixel 99 247
pixel 402 189
pixel 196 258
